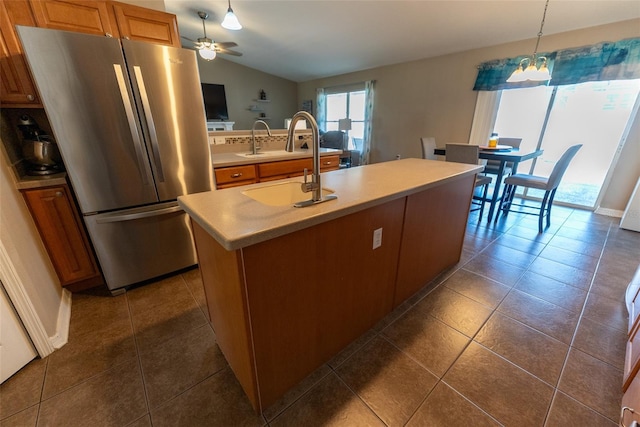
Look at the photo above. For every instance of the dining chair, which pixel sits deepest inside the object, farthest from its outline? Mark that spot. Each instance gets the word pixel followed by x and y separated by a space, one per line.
pixel 548 184
pixel 493 166
pixel 465 153
pixel 428 147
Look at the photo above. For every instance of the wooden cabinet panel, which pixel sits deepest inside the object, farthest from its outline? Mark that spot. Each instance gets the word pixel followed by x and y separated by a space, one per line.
pixel 283 169
pixel 16 88
pixel 83 16
pixel 62 233
pixel 234 176
pixel 433 234
pixel 329 163
pixel 147 25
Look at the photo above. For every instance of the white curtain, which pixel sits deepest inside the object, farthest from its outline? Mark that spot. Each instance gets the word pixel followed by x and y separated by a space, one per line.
pixel 321 110
pixel 368 119
pixel 484 117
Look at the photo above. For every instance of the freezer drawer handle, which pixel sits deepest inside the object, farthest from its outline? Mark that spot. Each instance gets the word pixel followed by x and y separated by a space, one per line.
pixel 150 123
pixel 132 121
pixel 139 215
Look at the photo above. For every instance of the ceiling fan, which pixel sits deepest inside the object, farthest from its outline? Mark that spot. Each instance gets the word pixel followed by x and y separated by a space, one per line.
pixel 207 48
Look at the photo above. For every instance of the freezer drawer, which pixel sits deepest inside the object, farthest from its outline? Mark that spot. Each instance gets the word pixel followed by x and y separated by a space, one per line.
pixel 138 244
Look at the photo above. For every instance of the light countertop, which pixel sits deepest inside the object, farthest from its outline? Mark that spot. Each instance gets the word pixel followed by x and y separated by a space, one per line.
pixel 237 221
pixel 26 182
pixel 240 158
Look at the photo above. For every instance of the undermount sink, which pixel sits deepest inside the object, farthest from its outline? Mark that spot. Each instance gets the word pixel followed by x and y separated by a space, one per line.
pixel 286 193
pixel 265 153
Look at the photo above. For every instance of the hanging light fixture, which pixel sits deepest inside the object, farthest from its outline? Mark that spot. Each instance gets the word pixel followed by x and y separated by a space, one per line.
pixel 205 45
pixel 532 72
pixel 230 21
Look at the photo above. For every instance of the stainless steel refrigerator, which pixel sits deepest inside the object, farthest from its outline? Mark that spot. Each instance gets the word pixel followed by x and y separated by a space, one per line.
pixel 130 123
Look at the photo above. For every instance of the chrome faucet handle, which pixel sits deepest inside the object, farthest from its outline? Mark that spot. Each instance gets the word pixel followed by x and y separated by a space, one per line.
pixel 307 186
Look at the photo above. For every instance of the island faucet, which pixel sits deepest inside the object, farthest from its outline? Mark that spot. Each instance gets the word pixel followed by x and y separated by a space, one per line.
pixel 253 134
pixel 315 185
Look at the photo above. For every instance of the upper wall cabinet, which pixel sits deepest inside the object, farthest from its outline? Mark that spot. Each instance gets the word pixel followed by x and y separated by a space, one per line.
pixel 83 16
pixel 16 87
pixel 146 25
pixel 97 17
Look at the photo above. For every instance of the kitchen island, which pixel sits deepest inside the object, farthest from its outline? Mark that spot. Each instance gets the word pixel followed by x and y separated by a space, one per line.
pixel 288 288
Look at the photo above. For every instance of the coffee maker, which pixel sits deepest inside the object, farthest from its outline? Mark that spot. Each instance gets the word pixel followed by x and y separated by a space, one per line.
pixel 39 149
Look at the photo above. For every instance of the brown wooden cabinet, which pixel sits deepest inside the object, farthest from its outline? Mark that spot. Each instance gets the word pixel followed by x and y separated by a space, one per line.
pixel 63 235
pixel 146 25
pixel 234 176
pixel 17 87
pixel 631 379
pixel 96 17
pixel 82 16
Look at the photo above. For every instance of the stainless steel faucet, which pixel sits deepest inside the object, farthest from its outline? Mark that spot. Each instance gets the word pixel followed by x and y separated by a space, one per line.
pixel 315 185
pixel 253 134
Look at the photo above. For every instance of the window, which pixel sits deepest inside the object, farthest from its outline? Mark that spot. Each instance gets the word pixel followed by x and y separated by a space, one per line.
pixel 346 105
pixel 595 114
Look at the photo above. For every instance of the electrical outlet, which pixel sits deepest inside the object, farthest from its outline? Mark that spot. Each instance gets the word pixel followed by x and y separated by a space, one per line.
pixel 219 140
pixel 377 238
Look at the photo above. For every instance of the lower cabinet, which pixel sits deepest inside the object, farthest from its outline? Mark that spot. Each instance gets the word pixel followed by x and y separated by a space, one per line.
pixel 233 176
pixel 61 230
pixel 279 315
pixel 631 379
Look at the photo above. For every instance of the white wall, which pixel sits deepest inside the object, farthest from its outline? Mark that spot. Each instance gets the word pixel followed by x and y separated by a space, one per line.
pixel 26 251
pixel 242 86
pixel 435 97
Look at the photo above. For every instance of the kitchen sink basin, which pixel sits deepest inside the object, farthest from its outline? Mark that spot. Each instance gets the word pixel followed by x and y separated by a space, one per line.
pixel 286 193
pixel 260 154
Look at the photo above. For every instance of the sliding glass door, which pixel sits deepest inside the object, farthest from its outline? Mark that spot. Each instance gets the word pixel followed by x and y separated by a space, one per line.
pixel 594 114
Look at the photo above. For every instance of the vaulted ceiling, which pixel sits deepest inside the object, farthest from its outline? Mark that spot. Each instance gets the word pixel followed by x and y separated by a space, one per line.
pixel 302 40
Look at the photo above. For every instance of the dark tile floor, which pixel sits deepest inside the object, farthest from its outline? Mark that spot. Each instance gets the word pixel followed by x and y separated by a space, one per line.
pixel 527 330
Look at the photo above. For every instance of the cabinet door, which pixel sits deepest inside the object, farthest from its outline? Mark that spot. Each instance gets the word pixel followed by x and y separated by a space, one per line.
pixel 146 25
pixel 83 16
pixel 61 230
pixel 17 87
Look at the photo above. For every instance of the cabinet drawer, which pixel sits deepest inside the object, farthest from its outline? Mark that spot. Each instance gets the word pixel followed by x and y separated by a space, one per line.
pixel 235 174
pixel 284 169
pixel 329 163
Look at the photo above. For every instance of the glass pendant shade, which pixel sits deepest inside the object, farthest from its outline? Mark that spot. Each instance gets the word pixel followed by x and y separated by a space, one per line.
pixel 230 21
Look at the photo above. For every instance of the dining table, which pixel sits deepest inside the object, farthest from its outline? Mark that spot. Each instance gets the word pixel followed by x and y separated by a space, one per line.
pixel 503 155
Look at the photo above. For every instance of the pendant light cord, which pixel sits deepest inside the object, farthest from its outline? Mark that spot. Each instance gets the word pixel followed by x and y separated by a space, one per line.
pixel 544 15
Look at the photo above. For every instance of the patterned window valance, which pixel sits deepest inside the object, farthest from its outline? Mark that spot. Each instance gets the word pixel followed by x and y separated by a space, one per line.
pixel 599 62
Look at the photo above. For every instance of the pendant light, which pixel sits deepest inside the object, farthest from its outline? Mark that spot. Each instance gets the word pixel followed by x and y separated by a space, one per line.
pixel 230 21
pixel 532 72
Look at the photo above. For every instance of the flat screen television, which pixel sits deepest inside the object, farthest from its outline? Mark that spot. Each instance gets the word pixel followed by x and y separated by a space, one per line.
pixel 215 101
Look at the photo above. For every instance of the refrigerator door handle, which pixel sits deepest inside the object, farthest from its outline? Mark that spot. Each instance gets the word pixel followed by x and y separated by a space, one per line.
pixel 151 124
pixel 138 215
pixel 117 68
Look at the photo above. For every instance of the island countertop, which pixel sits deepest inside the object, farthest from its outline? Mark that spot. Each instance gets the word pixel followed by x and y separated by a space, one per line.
pixel 235 220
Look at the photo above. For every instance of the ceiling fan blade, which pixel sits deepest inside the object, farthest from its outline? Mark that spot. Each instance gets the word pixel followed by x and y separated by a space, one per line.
pixel 225 45
pixel 229 52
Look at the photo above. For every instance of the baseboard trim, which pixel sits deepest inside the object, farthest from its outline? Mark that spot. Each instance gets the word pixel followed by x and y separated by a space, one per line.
pixel 11 282
pixel 609 212
pixel 64 320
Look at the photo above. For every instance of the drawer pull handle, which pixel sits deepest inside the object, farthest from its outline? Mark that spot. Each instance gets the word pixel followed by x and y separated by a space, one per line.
pixel 58 193
pixel 327 163
pixel 633 423
pixel 236 175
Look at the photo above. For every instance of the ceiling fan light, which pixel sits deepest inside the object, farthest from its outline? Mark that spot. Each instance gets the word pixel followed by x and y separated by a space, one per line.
pixel 207 53
pixel 230 21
